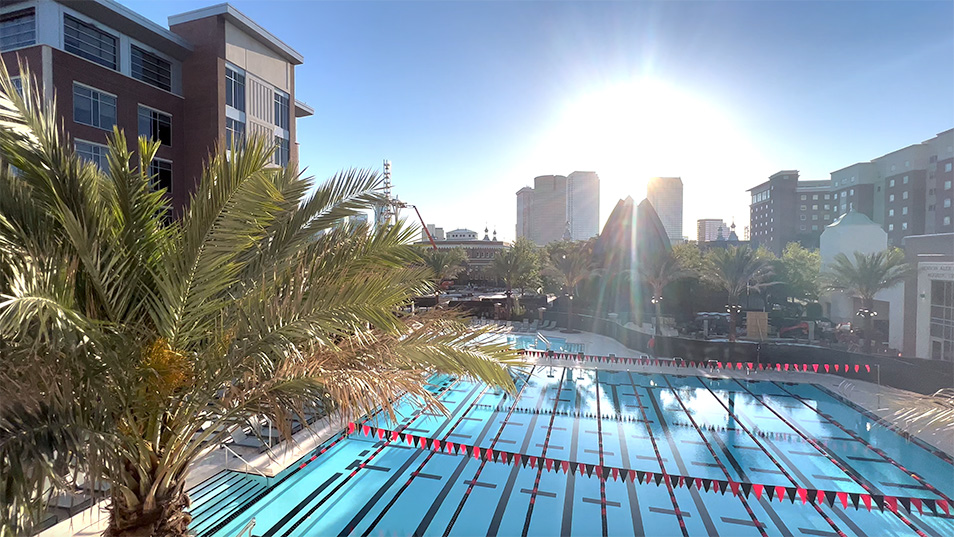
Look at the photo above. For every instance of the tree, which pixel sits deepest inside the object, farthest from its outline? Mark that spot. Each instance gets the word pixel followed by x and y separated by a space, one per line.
pixel 518 267
pixel 865 277
pixel 444 264
pixel 131 340
pixel 571 266
pixel 736 269
pixel 799 269
pixel 663 269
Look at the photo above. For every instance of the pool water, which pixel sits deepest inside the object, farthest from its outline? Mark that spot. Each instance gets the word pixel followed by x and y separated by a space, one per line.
pixel 542 343
pixel 746 431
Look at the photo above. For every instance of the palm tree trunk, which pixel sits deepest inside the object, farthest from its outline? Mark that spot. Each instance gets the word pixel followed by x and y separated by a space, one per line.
pixel 167 517
pixel 569 313
pixel 732 326
pixel 867 325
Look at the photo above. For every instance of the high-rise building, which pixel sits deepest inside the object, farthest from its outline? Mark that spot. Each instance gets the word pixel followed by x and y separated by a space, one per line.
pixel 710 229
pixel 665 195
pixel 559 207
pixel 211 77
pixel 583 204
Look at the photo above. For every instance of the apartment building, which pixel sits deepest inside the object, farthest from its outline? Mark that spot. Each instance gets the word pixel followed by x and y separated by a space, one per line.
pixel 711 229
pixel 207 80
pixel 772 213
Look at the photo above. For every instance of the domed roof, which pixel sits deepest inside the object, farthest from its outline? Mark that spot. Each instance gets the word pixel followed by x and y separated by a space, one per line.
pixel 852 218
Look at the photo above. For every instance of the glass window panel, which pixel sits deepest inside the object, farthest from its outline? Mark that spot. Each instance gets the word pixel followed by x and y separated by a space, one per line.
pixel 17 29
pixel 89 42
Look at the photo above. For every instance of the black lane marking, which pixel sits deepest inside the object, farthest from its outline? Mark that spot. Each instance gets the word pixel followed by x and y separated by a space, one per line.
pixel 539 493
pixel 766 471
pixel 670 512
pixel 867 459
pixel 567 526
pixel 473 419
pixel 833 478
pixel 598 502
pixel 648 458
pixel 429 476
pixel 596 452
pixel 743 522
pixel 539 472
pixel 417 430
pixel 599 428
pixel 707 464
pixel 820 533
pixel 480 484
pixel 903 486
pixel 748 447
pixel 696 442
pixel 630 487
pixel 502 441
pixel 292 513
pixel 807 453
pixel 458 435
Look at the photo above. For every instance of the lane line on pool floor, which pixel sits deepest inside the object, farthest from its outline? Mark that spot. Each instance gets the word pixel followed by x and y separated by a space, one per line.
pixel 745 503
pixel 543 454
pixel 833 459
pixel 599 432
pixel 637 516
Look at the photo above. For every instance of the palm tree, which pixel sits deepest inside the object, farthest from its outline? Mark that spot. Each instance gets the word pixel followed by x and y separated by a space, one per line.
pixel 869 274
pixel 131 341
pixel 444 264
pixel 571 267
pixel 517 267
pixel 736 269
pixel 663 269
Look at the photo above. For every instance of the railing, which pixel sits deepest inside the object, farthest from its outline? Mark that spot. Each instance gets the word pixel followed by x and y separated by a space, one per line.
pixel 247 528
pixel 248 465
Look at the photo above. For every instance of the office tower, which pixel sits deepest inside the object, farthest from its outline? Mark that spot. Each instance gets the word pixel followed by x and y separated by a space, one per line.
pixel 211 77
pixel 665 195
pixel 583 204
pixel 559 208
pixel 710 229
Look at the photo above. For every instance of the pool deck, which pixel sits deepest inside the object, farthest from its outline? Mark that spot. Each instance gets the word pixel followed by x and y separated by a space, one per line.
pixel 884 402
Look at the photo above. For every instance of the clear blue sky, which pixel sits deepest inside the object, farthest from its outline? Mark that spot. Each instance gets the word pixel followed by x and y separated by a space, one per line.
pixel 471 100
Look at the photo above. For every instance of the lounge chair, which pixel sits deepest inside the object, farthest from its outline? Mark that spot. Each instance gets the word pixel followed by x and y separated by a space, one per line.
pixel 534 325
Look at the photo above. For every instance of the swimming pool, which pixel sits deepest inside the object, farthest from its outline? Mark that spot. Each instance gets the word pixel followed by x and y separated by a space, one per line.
pixel 769 433
pixel 541 342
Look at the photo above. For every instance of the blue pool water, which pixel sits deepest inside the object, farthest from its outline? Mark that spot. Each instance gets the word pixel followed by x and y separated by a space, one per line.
pixel 540 343
pixel 747 431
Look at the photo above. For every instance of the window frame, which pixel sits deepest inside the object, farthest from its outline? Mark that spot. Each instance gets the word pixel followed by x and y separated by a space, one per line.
pixel 156 69
pixel 11 18
pixel 97 123
pixel 93 145
pixel 88 27
pixel 230 88
pixel 155 120
pixel 154 181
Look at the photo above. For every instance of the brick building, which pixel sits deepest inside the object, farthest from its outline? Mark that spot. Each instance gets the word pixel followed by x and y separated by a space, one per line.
pixel 212 76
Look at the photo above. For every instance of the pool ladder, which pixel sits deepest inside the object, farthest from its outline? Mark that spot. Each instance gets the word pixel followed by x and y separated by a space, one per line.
pixel 247 528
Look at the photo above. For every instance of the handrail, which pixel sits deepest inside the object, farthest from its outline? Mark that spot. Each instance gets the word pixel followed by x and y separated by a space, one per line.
pixel 545 340
pixel 248 465
pixel 247 528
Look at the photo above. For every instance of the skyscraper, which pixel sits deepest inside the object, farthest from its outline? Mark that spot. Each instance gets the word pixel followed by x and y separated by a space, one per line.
pixel 559 207
pixel 665 195
pixel 710 229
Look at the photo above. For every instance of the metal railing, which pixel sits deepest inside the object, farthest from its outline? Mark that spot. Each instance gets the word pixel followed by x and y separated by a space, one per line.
pixel 248 465
pixel 247 528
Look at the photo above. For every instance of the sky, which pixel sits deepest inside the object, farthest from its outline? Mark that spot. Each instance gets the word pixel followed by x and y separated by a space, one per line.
pixel 471 100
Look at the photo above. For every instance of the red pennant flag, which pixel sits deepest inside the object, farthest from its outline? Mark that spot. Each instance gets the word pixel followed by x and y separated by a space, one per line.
pixel 826 368
pixel 423 442
pixel 380 434
pixel 803 494
pixel 503 457
pixel 436 445
pixel 488 454
pixel 720 365
pixel 410 439
pixel 868 368
pixel 757 489
pixel 820 497
pixel 549 464
pixel 836 368
pixel 728 365
pixel 943 505
pixel 786 367
pixel 533 461
pixel 516 458
pixel 815 367
pixel 394 436
pixel 917 503
pixel 351 427
pixel 464 450
pixel 892 503
pixel 615 473
pixel 582 469
pixel 476 452
pixel 738 365
pixel 649 477
pixel 682 481
pixel 365 429
pixel 805 368
pixel 761 368
pixel 735 487
pixel 450 447
pixel 779 492
pixel 698 484
pixel 632 476
pixel 856 368
pixel 843 498
pixel 749 365
pixel 846 368
pixel 867 500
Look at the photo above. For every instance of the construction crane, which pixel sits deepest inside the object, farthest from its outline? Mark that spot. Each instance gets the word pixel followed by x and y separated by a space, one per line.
pixel 386 213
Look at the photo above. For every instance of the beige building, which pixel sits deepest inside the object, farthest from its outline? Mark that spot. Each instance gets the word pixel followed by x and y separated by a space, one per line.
pixel 665 195
pixel 559 207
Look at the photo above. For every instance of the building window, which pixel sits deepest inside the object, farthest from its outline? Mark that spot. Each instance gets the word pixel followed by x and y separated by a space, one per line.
pixel 947 167
pixel 234 133
pixel 904 179
pixel 160 175
pixel 235 89
pixel 826 196
pixel 904 210
pixel 814 207
pixel 802 227
pixel 827 206
pixel 947 220
pixel 281 110
pixel 17 29
pixel 155 125
pixel 151 69
pixel 814 217
pixel 890 212
pixel 802 217
pixel 891 183
pixel 282 154
pixel 904 225
pixel 907 164
pixel 947 185
pixel 93 107
pixel 947 203
pixel 851 192
pixel 890 227
pixel 891 197
pixel 814 228
pixel 843 193
pixel 904 195
pixel 815 197
pixel 17 85
pixel 827 217
pixel 804 197
pixel 89 42
pixel 94 153
pixel 803 207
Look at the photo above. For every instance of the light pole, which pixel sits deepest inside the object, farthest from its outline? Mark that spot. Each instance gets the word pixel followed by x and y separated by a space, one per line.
pixel 657 310
pixel 732 310
pixel 867 314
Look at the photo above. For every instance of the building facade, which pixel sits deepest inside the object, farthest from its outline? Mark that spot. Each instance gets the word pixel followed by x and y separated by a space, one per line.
pixel 211 77
pixel 665 195
pixel 559 207
pixel 480 252
pixel 711 229
pixel 772 213
pixel 929 297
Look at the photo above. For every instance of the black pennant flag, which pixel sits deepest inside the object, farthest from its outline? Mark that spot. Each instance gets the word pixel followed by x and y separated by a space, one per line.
pixel 403 436
pixel 746 489
pixel 770 492
pixel 523 461
pixel 606 473
pixel 930 505
pixel 589 470
pixel 813 495
pixel 879 501
pixel 906 502
pixel 791 493
pixel 830 496
pixel 658 478
pixel 674 480
pixel 640 476
pixel 573 467
pixel 706 483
